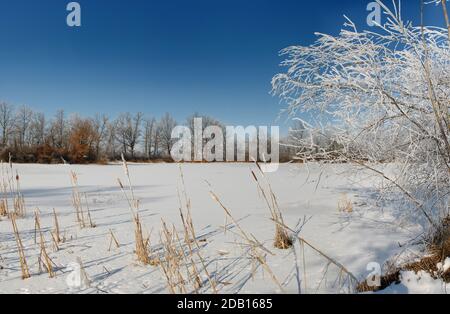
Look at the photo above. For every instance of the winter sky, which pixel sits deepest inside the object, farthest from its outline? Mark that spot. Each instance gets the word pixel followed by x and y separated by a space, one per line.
pixel 215 57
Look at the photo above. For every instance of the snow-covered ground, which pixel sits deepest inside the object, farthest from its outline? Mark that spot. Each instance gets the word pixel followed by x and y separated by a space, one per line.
pixel 353 239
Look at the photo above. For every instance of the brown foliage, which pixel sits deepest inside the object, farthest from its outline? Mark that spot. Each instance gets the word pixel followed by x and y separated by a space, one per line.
pixel 81 141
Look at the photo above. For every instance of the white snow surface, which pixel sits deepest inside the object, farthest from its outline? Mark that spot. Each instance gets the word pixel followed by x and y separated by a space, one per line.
pixel 420 283
pixel 354 239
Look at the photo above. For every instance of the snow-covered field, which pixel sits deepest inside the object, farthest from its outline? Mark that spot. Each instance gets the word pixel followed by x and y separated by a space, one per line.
pixel 353 239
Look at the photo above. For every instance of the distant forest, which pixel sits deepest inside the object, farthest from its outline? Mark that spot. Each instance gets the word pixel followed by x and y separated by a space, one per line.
pixel 31 137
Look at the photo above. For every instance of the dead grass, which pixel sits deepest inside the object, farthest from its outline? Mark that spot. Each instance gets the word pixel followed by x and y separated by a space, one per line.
pixel 4 208
pixel 19 200
pixel 142 248
pixel 44 258
pixel 23 262
pixel 142 244
pixel 345 205
pixel 258 252
pixel 181 254
pixel 56 231
pixel 113 240
pixel 77 200
pixel 282 240
pixel 10 190
pixel 181 260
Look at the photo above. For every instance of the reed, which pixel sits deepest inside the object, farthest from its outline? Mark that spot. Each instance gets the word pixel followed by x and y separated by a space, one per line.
pixel 21 251
pixel 141 243
pixel 180 260
pixel 11 191
pixel 77 200
pixel 43 256
pixel 257 251
pixel 114 240
pixel 19 200
pixel 4 208
pixel 91 223
pixel 345 205
pixel 282 240
pixel 56 231
pixel 142 249
pixel 4 192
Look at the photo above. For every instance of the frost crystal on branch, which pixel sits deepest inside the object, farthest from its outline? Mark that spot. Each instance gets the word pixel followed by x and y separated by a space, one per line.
pixel 377 97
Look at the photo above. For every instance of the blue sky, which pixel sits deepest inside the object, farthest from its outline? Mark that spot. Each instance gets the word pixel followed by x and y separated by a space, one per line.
pixel 215 57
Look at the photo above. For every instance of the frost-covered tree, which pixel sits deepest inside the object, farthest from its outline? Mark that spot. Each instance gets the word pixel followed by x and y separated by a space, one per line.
pixel 381 96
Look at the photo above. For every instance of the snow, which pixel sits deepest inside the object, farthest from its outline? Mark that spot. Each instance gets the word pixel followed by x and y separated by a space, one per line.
pixel 444 267
pixel 446 264
pixel 353 239
pixel 420 283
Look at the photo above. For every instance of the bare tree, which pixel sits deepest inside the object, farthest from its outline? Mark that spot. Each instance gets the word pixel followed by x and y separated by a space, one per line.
pixel 23 121
pixel 156 141
pixel 6 122
pixel 149 143
pixel 111 141
pixel 37 129
pixel 128 131
pixel 100 129
pixel 166 125
pixel 58 130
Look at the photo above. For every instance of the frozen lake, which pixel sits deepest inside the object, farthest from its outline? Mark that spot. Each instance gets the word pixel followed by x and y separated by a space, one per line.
pixel 354 238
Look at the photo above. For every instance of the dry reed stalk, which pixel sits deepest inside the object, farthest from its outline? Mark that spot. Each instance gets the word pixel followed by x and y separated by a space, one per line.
pixel 76 200
pixel 341 267
pixel 282 240
pixel 168 278
pixel 142 251
pixel 130 186
pixel 142 245
pixel 10 189
pixel 189 231
pixel 56 232
pixel 172 262
pixel 4 191
pixel 19 200
pixel 194 277
pixel 55 242
pixel 4 208
pixel 175 259
pixel 20 249
pixel 91 223
pixel 46 259
pixel 190 227
pixel 257 248
pixel 113 240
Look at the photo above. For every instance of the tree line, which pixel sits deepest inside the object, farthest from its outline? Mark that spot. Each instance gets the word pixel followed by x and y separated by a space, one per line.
pixel 28 136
